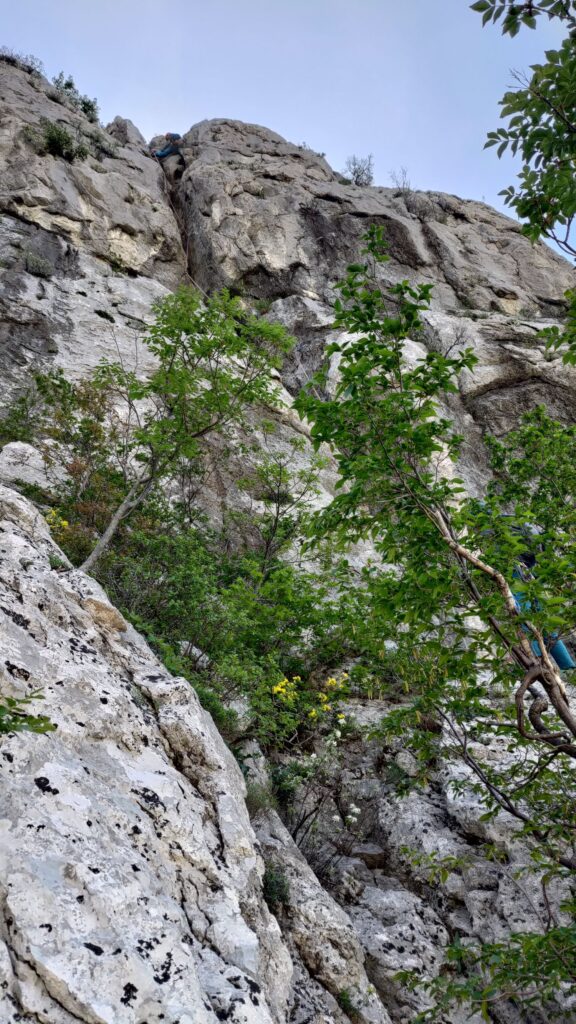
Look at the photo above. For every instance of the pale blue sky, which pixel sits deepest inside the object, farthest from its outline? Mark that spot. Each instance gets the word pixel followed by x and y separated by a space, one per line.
pixel 415 82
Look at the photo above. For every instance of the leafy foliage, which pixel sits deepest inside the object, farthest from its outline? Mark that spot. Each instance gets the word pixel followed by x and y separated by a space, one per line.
pixel 213 362
pixel 65 87
pixel 14 715
pixel 516 14
pixel 56 140
pixel 541 130
pixel 275 887
pixel 453 595
pixel 236 609
pixel 346 1003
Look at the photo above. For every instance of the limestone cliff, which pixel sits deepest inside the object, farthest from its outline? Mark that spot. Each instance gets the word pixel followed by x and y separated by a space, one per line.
pixel 131 879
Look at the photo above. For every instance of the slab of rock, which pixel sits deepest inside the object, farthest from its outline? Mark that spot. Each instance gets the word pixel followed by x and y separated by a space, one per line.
pixel 130 883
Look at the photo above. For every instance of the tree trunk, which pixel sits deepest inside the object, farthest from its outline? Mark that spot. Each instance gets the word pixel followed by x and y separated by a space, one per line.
pixel 135 495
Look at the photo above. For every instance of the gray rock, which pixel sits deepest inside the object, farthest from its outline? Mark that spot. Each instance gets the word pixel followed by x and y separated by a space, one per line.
pixel 130 881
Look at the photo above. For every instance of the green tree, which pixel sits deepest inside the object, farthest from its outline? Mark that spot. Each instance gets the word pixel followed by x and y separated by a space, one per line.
pixel 212 363
pixel 541 130
pixel 474 626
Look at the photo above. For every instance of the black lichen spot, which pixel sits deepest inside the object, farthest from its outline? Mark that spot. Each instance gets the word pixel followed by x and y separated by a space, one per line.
pixel 95 871
pixel 94 949
pixel 44 785
pixel 254 988
pixel 48 927
pixel 165 970
pixel 18 619
pixel 150 797
pixel 15 670
pixel 79 899
pixel 130 992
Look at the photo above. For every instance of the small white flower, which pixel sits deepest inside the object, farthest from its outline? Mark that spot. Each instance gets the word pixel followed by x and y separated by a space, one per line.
pixel 313 757
pixel 337 733
pixel 335 817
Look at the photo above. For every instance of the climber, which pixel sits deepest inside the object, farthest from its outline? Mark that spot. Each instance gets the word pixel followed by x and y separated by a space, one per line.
pixel 524 571
pixel 172 147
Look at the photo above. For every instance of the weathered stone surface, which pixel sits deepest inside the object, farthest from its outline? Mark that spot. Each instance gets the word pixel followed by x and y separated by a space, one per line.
pixel 130 883
pixel 402 918
pixel 85 246
pixel 272 220
pixel 321 934
pixel 21 462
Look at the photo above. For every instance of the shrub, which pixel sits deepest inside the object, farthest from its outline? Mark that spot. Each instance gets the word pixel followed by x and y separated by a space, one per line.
pixel 344 1000
pixel 310 149
pixel 401 181
pixel 275 887
pixel 25 61
pixel 259 797
pixel 55 139
pixel 20 423
pixel 38 265
pixel 360 169
pixel 101 145
pixel 262 306
pixel 65 90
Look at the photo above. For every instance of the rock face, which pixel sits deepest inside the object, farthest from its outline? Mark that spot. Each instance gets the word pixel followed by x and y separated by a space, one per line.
pixel 86 246
pixel 131 878
pixel 273 220
pixel 130 882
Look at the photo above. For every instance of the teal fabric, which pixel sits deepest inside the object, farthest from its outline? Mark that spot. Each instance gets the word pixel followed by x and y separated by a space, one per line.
pixel 558 650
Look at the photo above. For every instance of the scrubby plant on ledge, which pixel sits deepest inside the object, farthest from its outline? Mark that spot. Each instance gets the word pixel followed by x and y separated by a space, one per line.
pixel 24 61
pixel 65 90
pixel 55 139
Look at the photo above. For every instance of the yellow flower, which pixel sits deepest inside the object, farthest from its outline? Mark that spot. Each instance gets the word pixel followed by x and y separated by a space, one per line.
pixel 341 718
pixel 313 713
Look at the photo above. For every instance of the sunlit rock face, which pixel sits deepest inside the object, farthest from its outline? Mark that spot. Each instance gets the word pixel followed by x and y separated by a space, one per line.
pixel 130 881
pixel 275 222
pixel 86 246
pixel 131 878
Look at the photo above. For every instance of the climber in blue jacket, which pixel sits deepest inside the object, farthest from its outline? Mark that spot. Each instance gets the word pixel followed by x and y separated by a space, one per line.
pixel 556 648
pixel 172 147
